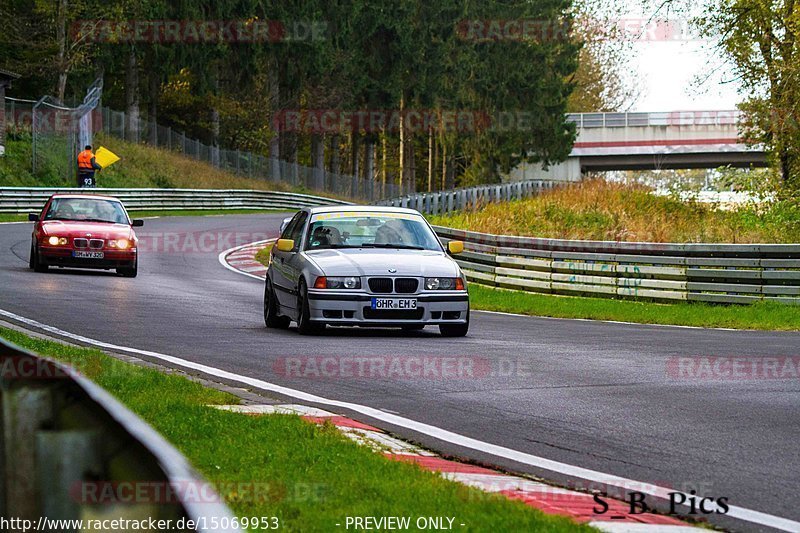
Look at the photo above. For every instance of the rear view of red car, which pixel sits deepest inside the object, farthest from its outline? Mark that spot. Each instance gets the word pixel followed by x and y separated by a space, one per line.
pixel 84 231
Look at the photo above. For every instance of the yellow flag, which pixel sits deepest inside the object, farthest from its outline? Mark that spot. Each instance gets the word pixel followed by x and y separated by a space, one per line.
pixel 105 157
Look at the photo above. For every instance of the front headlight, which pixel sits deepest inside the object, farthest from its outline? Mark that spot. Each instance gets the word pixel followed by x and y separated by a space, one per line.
pixel 349 282
pixel 121 244
pixel 444 284
pixel 57 241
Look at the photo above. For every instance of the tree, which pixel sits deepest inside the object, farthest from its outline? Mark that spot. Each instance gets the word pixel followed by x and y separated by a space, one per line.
pixel 760 38
pixel 600 81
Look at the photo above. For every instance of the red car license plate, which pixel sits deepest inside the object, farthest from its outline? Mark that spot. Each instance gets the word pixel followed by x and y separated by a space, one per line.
pixel 88 255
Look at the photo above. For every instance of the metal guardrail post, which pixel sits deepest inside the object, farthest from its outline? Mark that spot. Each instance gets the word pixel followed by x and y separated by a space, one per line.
pixel 25 411
pixel 66 442
pixel 65 456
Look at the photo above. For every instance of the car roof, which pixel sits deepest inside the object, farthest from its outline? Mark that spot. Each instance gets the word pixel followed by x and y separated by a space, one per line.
pixel 361 208
pixel 85 196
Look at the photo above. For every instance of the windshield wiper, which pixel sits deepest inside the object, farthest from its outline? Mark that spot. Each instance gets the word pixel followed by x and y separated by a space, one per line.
pixel 393 245
pixel 100 220
pixel 332 246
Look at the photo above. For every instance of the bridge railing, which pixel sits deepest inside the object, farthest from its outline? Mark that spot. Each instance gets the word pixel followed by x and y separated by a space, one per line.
pixel 669 118
pixel 719 273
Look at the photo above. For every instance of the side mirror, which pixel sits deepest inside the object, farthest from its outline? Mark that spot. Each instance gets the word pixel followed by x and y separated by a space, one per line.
pixel 137 223
pixel 33 217
pixel 285 245
pixel 455 247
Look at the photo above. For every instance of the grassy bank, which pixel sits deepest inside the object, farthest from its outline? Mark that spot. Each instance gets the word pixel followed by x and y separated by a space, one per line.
pixel 316 477
pixel 599 210
pixel 140 166
pixel 762 315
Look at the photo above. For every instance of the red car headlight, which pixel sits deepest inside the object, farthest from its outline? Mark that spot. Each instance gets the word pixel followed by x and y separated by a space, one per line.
pixel 119 244
pixel 54 240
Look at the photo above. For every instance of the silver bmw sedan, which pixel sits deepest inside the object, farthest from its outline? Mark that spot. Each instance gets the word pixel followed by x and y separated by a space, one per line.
pixel 364 266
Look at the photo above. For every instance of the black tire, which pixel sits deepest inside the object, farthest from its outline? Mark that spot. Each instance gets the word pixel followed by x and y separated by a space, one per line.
pixel 413 327
pixel 34 262
pixel 129 272
pixel 306 326
pixel 454 330
pixel 271 317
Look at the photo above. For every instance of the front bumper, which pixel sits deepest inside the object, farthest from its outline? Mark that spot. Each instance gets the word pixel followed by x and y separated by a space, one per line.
pixel 354 308
pixel 62 256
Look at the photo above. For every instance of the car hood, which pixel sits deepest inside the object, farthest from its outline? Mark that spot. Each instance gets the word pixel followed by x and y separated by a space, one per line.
pixel 372 262
pixel 98 230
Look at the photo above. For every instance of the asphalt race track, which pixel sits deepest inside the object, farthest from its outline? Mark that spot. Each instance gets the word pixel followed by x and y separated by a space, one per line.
pixel 590 394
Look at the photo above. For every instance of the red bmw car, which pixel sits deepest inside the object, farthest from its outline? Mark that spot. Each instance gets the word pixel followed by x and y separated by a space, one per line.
pixel 84 231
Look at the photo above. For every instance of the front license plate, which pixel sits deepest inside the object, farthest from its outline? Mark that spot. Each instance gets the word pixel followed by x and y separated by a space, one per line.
pixel 394 303
pixel 87 255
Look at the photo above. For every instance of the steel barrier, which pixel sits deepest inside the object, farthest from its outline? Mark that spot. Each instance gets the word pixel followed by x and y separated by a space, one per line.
pixel 68 448
pixel 722 273
pixel 443 202
pixel 29 200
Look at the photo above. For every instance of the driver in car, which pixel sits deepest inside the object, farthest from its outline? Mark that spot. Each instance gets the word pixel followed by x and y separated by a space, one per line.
pixel 104 211
pixel 64 212
pixel 390 233
pixel 326 236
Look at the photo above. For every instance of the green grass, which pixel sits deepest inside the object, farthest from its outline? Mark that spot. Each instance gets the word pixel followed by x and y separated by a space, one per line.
pixel 316 476
pixel 12 217
pixel 262 256
pixel 761 315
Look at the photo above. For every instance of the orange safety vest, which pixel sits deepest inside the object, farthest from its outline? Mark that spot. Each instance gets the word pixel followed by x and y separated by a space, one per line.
pixel 85 160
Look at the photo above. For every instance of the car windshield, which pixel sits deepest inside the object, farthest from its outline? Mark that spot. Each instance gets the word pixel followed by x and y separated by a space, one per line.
pixel 86 210
pixel 371 230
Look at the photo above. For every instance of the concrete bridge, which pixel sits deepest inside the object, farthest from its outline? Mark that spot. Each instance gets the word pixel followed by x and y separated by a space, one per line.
pixel 651 141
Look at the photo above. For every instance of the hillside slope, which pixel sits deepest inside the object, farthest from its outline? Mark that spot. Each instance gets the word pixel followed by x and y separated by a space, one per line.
pixel 140 166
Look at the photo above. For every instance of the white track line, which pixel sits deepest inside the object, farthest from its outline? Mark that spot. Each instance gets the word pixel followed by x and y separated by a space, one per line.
pixel 444 435
pixel 221 257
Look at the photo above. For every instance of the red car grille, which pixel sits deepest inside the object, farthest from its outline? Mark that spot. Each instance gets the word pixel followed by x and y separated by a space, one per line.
pixel 94 244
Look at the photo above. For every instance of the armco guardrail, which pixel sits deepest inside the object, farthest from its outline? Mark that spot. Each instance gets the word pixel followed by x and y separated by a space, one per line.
pixel 29 200
pixel 443 202
pixel 724 273
pixel 69 451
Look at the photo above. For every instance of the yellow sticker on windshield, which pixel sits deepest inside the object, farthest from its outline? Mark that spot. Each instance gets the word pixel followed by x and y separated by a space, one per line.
pixel 364 214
